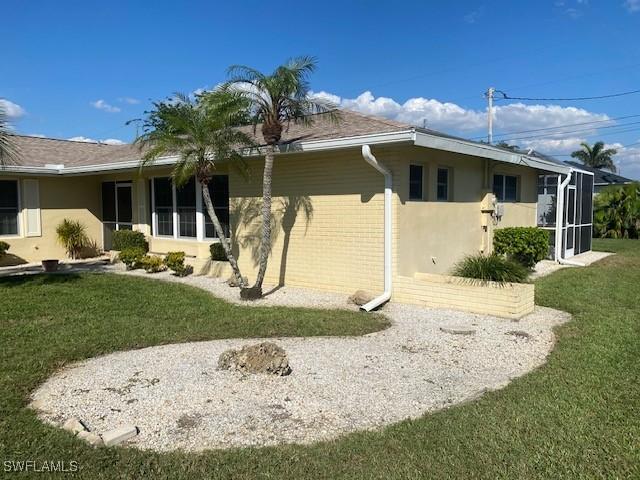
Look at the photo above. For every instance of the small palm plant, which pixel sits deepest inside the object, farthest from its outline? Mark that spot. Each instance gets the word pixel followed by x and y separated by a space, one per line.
pixel 72 235
pixel 203 135
pixel 276 100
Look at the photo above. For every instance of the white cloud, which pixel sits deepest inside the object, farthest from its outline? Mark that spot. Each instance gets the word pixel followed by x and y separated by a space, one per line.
pixel 627 159
pixel 107 141
pixel 552 146
pixel 632 6
pixel 37 135
pixel 12 110
pixel 102 105
pixel 451 117
pixel 129 100
pixel 474 16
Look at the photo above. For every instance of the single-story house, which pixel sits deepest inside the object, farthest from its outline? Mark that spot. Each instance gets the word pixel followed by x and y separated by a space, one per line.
pixel 602 178
pixel 357 204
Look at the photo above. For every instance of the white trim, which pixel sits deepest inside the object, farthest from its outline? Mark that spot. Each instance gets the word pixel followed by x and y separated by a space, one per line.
pixel 199 215
pixel 174 213
pixel 35 209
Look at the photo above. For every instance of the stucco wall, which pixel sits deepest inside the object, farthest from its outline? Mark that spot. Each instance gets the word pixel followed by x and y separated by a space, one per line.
pixel 75 198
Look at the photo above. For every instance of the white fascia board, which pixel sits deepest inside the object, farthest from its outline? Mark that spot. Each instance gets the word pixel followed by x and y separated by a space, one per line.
pixel 24 170
pixel 356 141
pixel 485 151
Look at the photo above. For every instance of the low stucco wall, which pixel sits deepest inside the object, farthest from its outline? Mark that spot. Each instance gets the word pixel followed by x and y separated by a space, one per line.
pixel 508 300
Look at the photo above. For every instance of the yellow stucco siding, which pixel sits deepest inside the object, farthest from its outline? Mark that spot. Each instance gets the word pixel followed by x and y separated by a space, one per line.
pixel 523 212
pixel 76 198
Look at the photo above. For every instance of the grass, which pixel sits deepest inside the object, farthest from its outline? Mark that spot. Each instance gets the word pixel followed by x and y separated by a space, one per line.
pixel 575 417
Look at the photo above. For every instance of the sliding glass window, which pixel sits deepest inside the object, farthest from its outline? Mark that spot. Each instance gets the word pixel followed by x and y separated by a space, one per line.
pixel 186 206
pixel 219 192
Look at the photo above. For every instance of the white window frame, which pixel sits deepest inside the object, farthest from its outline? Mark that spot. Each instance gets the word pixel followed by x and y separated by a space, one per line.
pixel 200 213
pixel 19 215
pixel 449 171
pixel 504 186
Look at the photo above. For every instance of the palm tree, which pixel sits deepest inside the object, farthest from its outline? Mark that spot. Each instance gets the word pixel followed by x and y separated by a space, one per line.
pixel 596 156
pixel 8 150
pixel 202 134
pixel 276 100
pixel 617 212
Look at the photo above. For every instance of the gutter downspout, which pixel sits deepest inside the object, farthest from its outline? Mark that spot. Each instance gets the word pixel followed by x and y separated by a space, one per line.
pixel 559 223
pixel 386 295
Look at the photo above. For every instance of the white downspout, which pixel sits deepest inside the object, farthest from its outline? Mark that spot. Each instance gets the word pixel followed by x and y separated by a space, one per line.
pixel 386 295
pixel 559 223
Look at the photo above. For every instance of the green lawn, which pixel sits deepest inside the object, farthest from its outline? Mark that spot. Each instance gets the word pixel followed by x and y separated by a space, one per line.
pixel 576 417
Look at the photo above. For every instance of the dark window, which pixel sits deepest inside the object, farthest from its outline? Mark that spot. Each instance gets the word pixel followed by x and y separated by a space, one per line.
pixel 8 207
pixel 587 199
pixel 571 206
pixel 109 202
pixel 163 204
pixel 415 182
pixel 442 190
pixel 125 211
pixel 219 193
pixel 505 188
pixel 186 205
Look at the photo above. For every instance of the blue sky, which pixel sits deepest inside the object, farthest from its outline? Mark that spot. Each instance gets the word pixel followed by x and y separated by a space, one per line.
pixel 82 69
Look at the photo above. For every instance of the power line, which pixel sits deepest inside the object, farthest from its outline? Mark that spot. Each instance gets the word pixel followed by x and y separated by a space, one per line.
pixel 623 146
pixel 560 126
pixel 568 132
pixel 505 96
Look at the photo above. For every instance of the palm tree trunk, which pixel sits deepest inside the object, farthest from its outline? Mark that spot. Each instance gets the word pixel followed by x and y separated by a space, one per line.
pixel 221 235
pixel 265 245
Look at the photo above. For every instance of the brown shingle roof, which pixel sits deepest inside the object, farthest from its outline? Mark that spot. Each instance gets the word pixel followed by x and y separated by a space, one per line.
pixel 38 152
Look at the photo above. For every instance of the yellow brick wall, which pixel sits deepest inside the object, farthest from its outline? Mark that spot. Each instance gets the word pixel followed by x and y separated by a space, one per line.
pixel 439 291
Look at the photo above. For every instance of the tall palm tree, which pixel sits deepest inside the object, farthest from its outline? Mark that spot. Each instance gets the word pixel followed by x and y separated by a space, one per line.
pixel 276 100
pixel 203 135
pixel 8 150
pixel 596 156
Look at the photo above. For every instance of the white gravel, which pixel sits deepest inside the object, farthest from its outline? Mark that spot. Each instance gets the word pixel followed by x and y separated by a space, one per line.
pixel 178 399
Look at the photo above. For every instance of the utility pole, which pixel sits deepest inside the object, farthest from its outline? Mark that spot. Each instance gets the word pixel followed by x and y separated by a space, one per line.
pixel 489 94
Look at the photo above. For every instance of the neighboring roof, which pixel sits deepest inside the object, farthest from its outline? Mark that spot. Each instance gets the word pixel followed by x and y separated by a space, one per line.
pixel 51 156
pixel 602 177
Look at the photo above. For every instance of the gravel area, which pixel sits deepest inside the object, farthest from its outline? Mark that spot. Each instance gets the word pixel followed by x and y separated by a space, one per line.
pixel 427 360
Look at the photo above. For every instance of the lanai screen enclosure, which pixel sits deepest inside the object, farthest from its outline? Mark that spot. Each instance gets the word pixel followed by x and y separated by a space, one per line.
pixel 573 223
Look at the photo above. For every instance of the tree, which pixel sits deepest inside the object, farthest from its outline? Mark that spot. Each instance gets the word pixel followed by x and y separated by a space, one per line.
pixel 203 134
pixel 276 100
pixel 596 156
pixel 8 150
pixel 617 212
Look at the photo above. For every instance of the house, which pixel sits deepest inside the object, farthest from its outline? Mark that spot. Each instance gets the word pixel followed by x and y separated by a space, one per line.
pixel 357 205
pixel 602 178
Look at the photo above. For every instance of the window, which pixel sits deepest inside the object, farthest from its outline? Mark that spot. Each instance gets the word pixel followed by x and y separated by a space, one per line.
pixel 9 207
pixel 180 213
pixel 416 173
pixel 505 188
pixel 163 198
pixel 186 206
pixel 219 193
pixel 442 185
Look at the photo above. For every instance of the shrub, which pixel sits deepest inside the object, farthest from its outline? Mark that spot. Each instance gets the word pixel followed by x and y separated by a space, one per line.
pixel 217 253
pixel 72 234
pixel 175 262
pixel 152 264
pixel 617 212
pixel 132 257
pixel 526 245
pixel 494 268
pixel 123 239
pixel 4 246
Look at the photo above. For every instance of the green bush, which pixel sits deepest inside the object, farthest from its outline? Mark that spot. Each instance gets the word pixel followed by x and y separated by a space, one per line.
pixel 152 264
pixel 217 253
pixel 617 212
pixel 526 245
pixel 175 262
pixel 72 234
pixel 132 257
pixel 4 246
pixel 123 239
pixel 493 268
